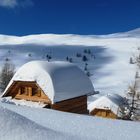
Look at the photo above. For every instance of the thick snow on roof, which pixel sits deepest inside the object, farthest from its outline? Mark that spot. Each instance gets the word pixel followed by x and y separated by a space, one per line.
pixel 59 80
pixel 111 102
pixel 24 123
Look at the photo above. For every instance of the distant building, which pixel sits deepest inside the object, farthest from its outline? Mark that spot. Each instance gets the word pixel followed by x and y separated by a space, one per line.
pixel 59 85
pixel 108 106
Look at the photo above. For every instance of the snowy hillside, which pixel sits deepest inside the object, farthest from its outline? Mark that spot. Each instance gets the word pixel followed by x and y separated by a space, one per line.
pixel 108 62
pixel 132 33
pixel 24 123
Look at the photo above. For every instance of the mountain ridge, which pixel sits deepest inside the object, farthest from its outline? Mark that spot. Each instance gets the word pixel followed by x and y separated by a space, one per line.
pixel 63 39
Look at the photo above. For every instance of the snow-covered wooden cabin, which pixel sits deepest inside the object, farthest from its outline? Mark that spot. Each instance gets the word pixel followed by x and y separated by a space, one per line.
pixel 59 85
pixel 108 106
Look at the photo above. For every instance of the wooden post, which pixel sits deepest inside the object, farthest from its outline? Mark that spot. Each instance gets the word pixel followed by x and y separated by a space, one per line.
pixel 30 91
pixel 19 91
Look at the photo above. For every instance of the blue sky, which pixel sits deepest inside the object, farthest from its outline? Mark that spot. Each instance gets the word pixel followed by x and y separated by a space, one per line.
pixel 23 17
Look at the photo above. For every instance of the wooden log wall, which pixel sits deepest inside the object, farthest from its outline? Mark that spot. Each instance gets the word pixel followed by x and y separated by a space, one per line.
pixel 103 113
pixel 75 105
pixel 16 92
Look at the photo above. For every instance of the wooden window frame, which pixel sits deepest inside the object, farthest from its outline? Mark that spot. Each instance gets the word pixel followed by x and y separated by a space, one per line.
pixel 23 91
pixel 36 92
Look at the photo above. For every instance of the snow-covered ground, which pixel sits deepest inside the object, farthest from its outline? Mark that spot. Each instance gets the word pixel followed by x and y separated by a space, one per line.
pixel 25 123
pixel 111 73
pixel 110 69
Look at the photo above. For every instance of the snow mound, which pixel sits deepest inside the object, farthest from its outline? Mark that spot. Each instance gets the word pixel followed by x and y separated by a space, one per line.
pixel 17 127
pixel 73 126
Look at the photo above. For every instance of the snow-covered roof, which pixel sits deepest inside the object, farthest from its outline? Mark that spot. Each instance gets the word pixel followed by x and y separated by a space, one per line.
pixel 109 102
pixel 59 80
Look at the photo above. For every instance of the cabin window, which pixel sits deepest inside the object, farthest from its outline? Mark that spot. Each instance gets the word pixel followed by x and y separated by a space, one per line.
pixel 29 91
pixel 36 92
pixel 104 114
pixel 108 113
pixel 23 91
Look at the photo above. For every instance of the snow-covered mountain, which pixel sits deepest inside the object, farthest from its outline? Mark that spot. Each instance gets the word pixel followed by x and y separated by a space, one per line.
pixel 133 33
pixel 108 62
pixel 67 39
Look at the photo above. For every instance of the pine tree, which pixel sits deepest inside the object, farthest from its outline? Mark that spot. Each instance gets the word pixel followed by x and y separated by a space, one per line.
pixel 133 100
pixel 131 60
pixel 89 51
pixel 84 58
pixel 88 74
pixel 85 68
pixel 67 58
pixel 78 55
pixel 70 60
pixel 48 57
pixel 30 55
pixel 6 74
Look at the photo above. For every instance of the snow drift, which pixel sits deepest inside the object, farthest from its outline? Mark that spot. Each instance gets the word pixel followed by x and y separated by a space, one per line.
pixel 26 123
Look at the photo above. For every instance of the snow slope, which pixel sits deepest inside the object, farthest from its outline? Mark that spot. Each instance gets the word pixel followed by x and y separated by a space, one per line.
pixel 17 127
pixel 132 33
pixel 110 69
pixel 26 123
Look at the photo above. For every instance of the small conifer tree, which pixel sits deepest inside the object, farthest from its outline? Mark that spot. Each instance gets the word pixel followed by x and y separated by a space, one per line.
pixel 6 74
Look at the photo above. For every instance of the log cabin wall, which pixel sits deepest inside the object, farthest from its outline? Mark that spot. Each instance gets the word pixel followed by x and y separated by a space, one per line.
pixel 29 91
pixel 75 105
pixel 103 113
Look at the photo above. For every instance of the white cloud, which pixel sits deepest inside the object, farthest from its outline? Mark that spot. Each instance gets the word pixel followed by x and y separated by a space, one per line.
pixel 8 3
pixel 15 3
